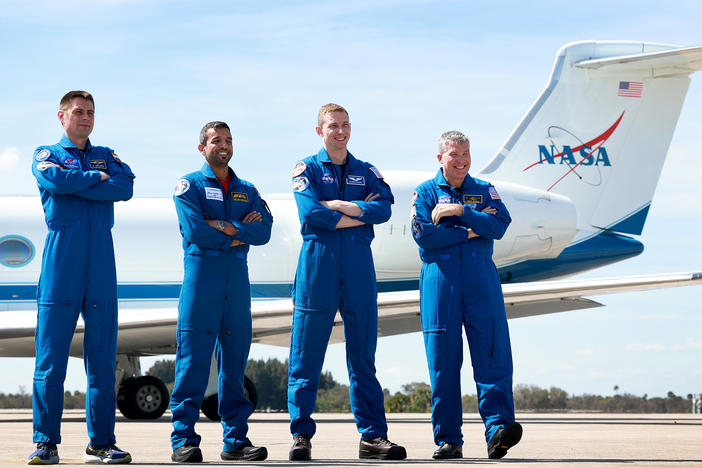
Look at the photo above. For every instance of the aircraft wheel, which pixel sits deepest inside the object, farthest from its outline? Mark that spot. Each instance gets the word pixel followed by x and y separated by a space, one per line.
pixel 210 404
pixel 144 397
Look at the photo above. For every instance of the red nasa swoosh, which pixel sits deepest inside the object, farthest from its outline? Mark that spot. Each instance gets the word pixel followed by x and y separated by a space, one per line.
pixel 598 141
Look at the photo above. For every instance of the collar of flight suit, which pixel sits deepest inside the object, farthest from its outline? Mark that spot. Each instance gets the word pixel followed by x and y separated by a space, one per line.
pixel 67 143
pixel 351 161
pixel 209 173
pixel 441 180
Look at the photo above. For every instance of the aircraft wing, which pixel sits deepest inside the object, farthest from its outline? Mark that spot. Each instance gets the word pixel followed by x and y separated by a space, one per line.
pixel 152 331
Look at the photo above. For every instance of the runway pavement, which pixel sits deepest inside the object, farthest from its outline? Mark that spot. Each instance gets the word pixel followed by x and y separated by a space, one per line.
pixel 573 439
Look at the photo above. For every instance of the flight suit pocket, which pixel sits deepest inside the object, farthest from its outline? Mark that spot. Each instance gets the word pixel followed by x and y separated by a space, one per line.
pixel 435 298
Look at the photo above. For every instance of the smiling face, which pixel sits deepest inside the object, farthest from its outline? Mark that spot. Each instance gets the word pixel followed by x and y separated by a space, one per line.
pixel 78 119
pixel 218 149
pixel 335 132
pixel 455 161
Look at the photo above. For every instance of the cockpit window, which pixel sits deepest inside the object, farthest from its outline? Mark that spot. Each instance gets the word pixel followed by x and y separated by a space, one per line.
pixel 15 251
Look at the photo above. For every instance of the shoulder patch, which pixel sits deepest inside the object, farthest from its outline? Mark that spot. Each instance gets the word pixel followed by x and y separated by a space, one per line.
pixel 414 197
pixel 300 184
pixel 45 165
pixel 114 155
pixel 181 187
pixel 299 168
pixel 43 155
pixel 375 171
pixel 493 193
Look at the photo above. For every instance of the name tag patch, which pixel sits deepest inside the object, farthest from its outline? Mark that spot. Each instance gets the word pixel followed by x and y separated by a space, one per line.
pixel 355 180
pixel 240 196
pixel 212 193
pixel 98 164
pixel 475 199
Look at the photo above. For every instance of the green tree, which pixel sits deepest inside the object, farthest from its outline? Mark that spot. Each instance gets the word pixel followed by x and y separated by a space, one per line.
pixel 163 370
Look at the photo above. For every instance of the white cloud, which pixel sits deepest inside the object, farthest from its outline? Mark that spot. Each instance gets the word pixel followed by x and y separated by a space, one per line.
pixel 639 347
pixel 9 158
pixel 689 344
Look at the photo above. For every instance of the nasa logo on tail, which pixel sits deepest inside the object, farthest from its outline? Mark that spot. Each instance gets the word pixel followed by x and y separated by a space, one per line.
pixel 577 156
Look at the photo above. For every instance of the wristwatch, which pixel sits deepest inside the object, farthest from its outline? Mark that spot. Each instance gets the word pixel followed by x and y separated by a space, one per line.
pixel 221 225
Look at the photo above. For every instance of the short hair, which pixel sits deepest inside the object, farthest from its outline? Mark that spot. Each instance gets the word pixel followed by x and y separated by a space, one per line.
pixel 215 124
pixel 328 108
pixel 453 136
pixel 71 95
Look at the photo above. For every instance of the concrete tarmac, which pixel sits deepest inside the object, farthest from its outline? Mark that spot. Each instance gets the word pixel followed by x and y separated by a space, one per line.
pixel 573 439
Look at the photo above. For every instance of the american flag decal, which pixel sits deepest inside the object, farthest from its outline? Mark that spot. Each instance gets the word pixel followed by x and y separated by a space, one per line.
pixel 630 88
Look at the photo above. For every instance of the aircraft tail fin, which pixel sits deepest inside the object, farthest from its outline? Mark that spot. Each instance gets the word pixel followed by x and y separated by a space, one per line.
pixel 600 130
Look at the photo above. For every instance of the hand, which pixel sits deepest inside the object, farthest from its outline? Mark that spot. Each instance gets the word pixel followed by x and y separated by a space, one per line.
pixel 236 243
pixel 445 209
pixel 371 197
pixel 252 217
pixel 471 234
pixel 104 176
pixel 229 229
pixel 489 210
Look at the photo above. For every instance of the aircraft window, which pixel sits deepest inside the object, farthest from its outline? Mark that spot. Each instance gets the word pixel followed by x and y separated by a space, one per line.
pixel 15 251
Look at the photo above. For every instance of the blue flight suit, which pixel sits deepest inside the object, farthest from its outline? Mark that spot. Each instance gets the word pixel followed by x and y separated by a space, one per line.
pixel 459 286
pixel 335 272
pixel 215 302
pixel 77 276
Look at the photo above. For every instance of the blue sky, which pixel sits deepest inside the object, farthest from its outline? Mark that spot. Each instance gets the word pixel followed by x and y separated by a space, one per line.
pixel 407 71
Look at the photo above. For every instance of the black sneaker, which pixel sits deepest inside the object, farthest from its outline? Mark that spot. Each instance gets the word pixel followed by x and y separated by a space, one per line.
pixel 245 452
pixel 301 448
pixel 447 451
pixel 187 454
pixel 381 448
pixel 110 454
pixel 45 454
pixel 504 438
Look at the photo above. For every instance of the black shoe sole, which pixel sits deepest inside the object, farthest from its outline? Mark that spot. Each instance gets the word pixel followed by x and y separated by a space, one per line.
pixel 193 456
pixel 258 454
pixel 300 455
pixel 510 436
pixel 447 455
pixel 395 453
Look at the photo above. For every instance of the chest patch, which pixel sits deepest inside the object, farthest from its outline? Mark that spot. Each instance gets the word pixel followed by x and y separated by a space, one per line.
pixel 327 178
pixel 240 196
pixel 355 180
pixel 474 199
pixel 98 164
pixel 212 193
pixel 444 199
pixel 70 163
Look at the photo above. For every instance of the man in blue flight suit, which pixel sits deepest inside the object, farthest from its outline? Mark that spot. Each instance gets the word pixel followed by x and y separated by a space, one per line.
pixel 339 198
pixel 78 184
pixel 220 215
pixel 455 219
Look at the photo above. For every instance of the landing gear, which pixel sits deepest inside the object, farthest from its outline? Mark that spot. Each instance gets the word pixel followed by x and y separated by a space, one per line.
pixel 144 397
pixel 209 405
